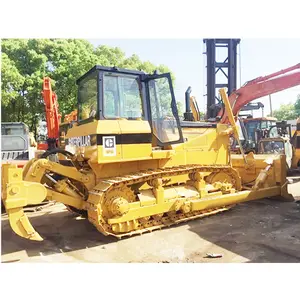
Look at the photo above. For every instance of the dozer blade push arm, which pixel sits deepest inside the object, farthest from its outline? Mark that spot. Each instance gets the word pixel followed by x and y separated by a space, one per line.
pixel 232 120
pixel 20 189
pixel 16 194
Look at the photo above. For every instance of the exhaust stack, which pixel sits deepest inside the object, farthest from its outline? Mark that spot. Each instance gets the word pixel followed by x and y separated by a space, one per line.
pixel 188 115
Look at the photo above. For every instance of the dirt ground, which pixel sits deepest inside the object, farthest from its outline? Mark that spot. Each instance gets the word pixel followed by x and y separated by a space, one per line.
pixel 257 231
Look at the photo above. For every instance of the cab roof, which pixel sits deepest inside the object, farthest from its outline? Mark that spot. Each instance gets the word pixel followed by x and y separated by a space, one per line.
pixel 110 69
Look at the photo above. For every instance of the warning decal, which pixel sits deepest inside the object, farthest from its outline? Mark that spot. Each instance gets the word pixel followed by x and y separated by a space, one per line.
pixel 109 146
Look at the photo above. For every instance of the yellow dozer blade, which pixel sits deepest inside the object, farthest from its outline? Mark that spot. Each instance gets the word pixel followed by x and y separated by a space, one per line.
pixel 16 194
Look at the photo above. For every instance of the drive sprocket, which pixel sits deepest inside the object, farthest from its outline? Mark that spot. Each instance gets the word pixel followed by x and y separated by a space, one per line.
pixel 116 202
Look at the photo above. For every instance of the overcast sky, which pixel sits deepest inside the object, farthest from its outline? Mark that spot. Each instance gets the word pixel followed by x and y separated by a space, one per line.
pixel 185 58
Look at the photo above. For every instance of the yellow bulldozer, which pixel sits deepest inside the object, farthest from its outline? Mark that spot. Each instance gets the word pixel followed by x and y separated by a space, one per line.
pixel 130 164
pixel 282 141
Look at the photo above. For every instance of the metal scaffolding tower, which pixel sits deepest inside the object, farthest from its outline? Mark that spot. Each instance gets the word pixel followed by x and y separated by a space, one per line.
pixel 228 67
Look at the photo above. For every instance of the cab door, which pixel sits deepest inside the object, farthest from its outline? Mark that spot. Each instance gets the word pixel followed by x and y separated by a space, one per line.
pixel 162 110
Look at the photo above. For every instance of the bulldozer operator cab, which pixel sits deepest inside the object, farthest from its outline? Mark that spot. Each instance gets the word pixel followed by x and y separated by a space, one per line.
pixel 271 146
pixel 259 124
pixel 277 145
pixel 133 106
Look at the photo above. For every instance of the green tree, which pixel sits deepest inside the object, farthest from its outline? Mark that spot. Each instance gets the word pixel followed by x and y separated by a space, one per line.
pixel 285 112
pixel 26 61
pixel 297 106
pixel 12 81
pixel 22 72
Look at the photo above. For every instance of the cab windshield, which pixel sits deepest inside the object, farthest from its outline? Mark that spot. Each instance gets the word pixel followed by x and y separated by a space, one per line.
pixel 254 125
pixel 14 130
pixel 122 96
pixel 275 147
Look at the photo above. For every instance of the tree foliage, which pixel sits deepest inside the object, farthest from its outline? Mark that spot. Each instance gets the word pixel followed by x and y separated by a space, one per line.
pixel 290 111
pixel 297 106
pixel 285 112
pixel 26 61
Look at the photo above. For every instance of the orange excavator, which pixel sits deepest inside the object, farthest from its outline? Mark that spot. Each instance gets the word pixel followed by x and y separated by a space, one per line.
pixel 257 88
pixel 53 117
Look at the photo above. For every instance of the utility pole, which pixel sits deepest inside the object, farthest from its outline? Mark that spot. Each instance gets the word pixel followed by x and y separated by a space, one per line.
pixel 271 111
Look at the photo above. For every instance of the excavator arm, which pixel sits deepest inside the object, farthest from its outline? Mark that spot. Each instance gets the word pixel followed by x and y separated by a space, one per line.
pixel 53 117
pixel 260 87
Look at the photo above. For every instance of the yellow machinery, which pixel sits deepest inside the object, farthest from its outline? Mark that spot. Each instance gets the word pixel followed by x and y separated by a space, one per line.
pixel 284 143
pixel 194 108
pixel 132 166
pixel 296 146
pixel 276 138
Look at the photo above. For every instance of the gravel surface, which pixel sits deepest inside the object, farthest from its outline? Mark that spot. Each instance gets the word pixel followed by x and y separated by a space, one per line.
pixel 258 231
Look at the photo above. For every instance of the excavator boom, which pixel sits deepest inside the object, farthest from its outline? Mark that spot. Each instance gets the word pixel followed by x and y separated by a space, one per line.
pixel 260 87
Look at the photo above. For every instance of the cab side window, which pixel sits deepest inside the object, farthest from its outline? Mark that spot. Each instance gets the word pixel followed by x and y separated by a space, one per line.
pixel 87 92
